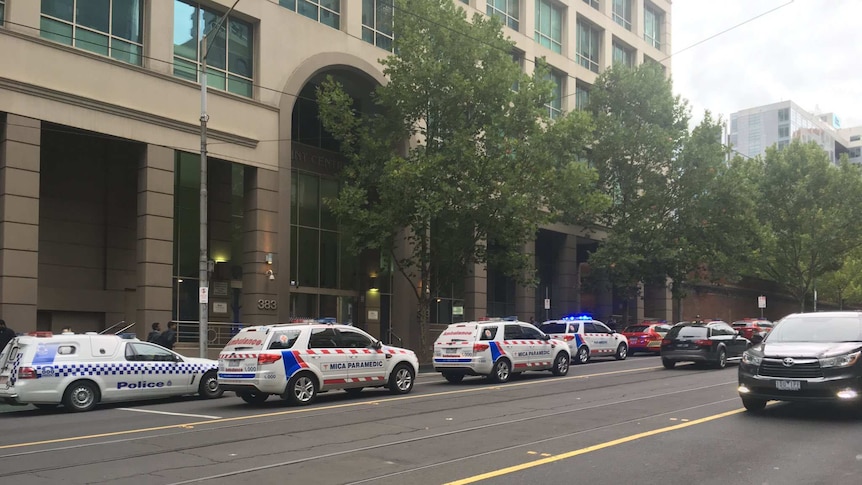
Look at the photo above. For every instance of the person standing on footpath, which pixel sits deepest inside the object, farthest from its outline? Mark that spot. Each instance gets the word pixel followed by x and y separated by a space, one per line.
pixel 6 335
pixel 155 333
pixel 169 336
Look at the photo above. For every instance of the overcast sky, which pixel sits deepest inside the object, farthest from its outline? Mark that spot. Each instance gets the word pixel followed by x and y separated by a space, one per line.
pixel 809 51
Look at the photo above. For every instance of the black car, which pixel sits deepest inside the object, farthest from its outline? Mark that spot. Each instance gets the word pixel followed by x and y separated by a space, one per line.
pixel 806 357
pixel 712 342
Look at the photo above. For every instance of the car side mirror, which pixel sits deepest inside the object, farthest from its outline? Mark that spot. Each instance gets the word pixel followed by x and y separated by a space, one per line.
pixel 377 345
pixel 177 358
pixel 546 336
pixel 756 339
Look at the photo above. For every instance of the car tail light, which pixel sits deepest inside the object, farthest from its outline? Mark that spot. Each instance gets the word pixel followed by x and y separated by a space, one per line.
pixel 703 343
pixel 480 347
pixel 268 358
pixel 665 342
pixel 568 338
pixel 26 373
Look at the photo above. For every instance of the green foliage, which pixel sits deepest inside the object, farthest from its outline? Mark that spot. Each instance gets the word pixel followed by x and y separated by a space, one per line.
pixel 844 286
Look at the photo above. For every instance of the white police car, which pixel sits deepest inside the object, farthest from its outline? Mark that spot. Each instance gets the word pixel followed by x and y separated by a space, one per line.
pixel 297 361
pixel 81 370
pixel 587 338
pixel 497 349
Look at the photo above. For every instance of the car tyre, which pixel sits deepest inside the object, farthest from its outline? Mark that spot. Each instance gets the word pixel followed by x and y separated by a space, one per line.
pixel 401 379
pixel 46 407
pixel 622 352
pixel 721 361
pixel 453 377
pixel 301 389
pixel 583 355
pixel 209 388
pixel 253 397
pixel 754 405
pixel 81 396
pixel 501 372
pixel 561 364
pixel 668 364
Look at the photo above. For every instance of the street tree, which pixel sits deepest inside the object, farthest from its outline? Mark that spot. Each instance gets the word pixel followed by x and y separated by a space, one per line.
pixel 459 154
pixel 844 286
pixel 809 212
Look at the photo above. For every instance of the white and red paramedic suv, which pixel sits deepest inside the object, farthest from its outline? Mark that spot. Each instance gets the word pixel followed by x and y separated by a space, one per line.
pixel 296 361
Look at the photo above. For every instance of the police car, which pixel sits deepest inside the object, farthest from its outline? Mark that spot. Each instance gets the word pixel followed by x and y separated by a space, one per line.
pixel 298 360
pixel 81 370
pixel 587 338
pixel 497 349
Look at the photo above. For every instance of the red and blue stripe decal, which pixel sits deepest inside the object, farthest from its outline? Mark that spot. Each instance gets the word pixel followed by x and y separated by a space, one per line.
pixel 579 340
pixel 292 362
pixel 496 351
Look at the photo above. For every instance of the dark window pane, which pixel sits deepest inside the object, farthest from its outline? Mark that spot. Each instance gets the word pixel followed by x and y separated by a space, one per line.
pixel 126 52
pixel 93 14
pixel 308 256
pixel 62 9
pixel 126 19
pixel 349 267
pixel 309 208
pixel 91 41
pixel 328 259
pixel 328 191
pixel 241 49
pixel 56 31
pixel 217 41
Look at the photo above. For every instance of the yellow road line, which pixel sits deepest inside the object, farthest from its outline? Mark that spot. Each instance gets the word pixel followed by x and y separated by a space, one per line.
pixel 306 410
pixel 589 449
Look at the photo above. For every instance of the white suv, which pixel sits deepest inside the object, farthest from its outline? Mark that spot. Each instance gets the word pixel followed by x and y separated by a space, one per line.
pixel 587 338
pixel 296 361
pixel 497 349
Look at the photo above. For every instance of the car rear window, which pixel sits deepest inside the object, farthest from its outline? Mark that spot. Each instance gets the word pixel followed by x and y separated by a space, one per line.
pixel 459 333
pixel 554 327
pixel 687 332
pixel 246 340
pixel 636 329
pixel 284 339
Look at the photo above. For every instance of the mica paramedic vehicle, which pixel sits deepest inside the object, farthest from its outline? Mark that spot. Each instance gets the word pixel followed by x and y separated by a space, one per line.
pixel 81 370
pixel 299 360
pixel 497 349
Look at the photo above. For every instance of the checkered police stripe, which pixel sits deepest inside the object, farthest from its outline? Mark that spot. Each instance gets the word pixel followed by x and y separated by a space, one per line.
pixel 123 369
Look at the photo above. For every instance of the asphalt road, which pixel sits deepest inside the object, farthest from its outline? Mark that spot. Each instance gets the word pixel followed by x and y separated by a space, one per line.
pixel 607 421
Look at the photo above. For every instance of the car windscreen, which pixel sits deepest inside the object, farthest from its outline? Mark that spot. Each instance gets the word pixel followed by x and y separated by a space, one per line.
pixel 550 328
pixel 687 332
pixel 740 324
pixel 636 329
pixel 817 328
pixel 662 329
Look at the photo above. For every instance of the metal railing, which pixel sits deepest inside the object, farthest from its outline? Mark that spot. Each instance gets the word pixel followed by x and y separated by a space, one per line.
pixel 218 333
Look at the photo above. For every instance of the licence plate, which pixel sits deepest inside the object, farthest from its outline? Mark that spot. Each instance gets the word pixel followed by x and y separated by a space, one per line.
pixel 633 340
pixel 788 385
pixel 233 363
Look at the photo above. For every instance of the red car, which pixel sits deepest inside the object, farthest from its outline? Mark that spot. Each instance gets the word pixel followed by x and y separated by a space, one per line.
pixel 645 336
pixel 749 327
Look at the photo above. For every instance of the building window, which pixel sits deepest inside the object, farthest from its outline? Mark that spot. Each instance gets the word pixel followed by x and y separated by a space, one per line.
pixel 784 114
pixel 555 107
pixel 855 138
pixel 592 3
pixel 855 152
pixel 784 131
pixel 2 11
pixel 518 58
pixel 230 61
pixel 327 12
pixel 623 13
pixel 781 144
pixel 653 19
pixel 509 11
pixel 108 27
pixel 549 25
pixel 582 96
pixel 623 56
pixel 588 46
pixel 734 125
pixel 377 23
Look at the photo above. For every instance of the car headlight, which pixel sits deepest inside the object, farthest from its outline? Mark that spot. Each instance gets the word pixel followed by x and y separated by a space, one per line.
pixel 840 360
pixel 751 359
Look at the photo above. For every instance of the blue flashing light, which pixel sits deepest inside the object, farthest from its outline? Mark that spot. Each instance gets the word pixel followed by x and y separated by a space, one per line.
pixel 578 317
pixel 513 318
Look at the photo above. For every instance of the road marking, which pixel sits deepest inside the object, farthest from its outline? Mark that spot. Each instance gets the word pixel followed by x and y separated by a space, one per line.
pixel 590 449
pixel 169 413
pixel 320 408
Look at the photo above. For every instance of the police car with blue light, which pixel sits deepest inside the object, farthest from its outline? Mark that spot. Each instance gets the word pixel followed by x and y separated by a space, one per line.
pixel 299 360
pixel 497 348
pixel 80 371
pixel 587 338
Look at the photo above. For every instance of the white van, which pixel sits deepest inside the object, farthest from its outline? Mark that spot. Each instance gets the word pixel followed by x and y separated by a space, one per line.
pixel 81 370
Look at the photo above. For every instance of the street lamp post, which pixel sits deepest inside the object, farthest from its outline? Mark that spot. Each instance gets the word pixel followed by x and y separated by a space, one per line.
pixel 203 263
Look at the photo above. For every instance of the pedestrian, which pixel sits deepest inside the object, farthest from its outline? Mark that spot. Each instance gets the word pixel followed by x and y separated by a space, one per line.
pixel 169 336
pixel 532 320
pixel 6 335
pixel 155 333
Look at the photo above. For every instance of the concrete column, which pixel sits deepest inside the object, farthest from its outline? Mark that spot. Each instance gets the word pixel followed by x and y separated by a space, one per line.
pixel 569 292
pixel 525 296
pixel 259 239
pixel 20 151
pixel 659 301
pixel 476 293
pixel 155 237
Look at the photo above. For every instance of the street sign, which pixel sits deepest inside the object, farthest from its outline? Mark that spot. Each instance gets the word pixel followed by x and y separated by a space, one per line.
pixel 204 296
pixel 547 303
pixel 761 302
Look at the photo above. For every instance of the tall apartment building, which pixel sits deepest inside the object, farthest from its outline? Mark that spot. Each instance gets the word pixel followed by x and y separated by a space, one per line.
pixel 100 174
pixel 752 130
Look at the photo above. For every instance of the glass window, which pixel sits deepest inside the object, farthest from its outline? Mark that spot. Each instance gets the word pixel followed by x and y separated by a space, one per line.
pixel 531 332
pixel 322 338
pixel 687 331
pixel 549 25
pixel 623 13
pixel 589 38
pixel 592 3
pixel 855 138
pixel 784 131
pixel 602 328
pixel 327 12
pixel 353 340
pixel 377 23
pixel 590 327
pixel 107 27
pixel 143 352
pixel 784 114
pixel 653 19
pixel 509 11
pixel 512 332
pixel 284 339
pixel 553 328
pixel 582 96
pixel 622 56
pixel 2 11
pixel 230 58
pixel 488 333
pixel 555 107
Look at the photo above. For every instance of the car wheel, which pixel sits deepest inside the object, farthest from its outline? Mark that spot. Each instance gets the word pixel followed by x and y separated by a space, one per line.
pixel 501 372
pixel 401 379
pixel 453 377
pixel 301 389
pixel 81 396
pixel 668 364
pixel 721 361
pixel 209 388
pixel 622 352
pixel 754 405
pixel 583 355
pixel 353 391
pixel 46 406
pixel 253 397
pixel 561 364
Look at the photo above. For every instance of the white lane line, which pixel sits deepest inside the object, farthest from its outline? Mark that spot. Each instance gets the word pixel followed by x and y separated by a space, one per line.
pixel 168 413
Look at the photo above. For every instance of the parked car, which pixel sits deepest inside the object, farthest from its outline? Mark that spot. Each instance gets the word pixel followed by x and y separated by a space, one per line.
pixel 711 342
pixel 806 357
pixel 646 336
pixel 753 328
pixel 587 338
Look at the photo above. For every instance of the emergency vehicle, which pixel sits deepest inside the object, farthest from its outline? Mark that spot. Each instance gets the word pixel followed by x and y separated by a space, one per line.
pixel 299 360
pixel 497 349
pixel 587 338
pixel 81 370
